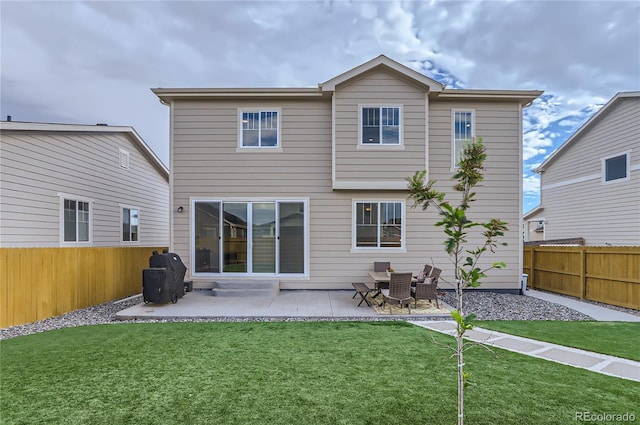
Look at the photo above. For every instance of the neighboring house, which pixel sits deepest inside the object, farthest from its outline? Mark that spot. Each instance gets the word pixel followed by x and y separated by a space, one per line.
pixel 590 185
pixel 67 185
pixel 307 185
pixel 82 207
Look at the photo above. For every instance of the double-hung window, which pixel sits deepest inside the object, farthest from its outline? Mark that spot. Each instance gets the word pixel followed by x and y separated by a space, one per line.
pixel 76 225
pixel 260 128
pixel 380 125
pixel 463 131
pixel 615 168
pixel 378 224
pixel 130 224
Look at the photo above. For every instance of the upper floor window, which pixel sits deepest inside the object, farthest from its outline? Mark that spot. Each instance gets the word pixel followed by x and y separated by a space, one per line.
pixel 615 168
pixel 463 131
pixel 380 125
pixel 260 129
pixel 76 220
pixel 130 224
pixel 378 224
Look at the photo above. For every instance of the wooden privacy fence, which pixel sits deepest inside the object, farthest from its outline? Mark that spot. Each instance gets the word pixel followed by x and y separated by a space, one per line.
pixel 37 283
pixel 607 274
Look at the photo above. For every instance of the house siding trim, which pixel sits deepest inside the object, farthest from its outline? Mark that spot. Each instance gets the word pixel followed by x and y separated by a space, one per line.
pixel 377 250
pixel 369 185
pixel 278 148
pixel 249 199
pixel 130 207
pixel 426 135
pixel 172 208
pixel 400 143
pixel 599 176
pixel 627 155
pixel 77 198
pixel 454 167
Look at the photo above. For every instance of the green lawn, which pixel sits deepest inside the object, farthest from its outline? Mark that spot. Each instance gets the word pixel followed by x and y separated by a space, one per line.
pixel 620 339
pixel 284 373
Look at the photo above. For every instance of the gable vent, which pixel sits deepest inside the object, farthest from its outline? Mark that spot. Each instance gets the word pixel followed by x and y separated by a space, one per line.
pixel 124 159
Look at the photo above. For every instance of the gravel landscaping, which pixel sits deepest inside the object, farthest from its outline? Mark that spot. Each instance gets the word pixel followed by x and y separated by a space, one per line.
pixel 486 306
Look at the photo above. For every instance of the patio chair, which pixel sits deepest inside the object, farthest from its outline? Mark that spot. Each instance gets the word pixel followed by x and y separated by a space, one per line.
pixel 399 291
pixel 381 266
pixel 424 274
pixel 428 290
pixel 435 275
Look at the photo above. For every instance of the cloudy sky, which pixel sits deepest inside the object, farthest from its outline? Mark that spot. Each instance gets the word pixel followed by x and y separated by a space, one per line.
pixel 95 62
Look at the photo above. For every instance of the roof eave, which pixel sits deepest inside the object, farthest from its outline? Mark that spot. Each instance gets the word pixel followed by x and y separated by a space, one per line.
pixel 524 97
pixel 167 94
pixel 584 127
pixel 531 212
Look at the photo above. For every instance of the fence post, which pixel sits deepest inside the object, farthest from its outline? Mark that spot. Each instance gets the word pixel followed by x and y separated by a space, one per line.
pixel 583 274
pixel 532 275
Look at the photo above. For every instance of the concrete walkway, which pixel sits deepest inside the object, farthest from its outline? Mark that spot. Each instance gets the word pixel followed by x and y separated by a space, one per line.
pixel 595 362
pixel 598 313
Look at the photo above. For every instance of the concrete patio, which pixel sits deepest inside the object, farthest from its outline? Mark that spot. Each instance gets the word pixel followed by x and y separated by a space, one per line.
pixel 287 304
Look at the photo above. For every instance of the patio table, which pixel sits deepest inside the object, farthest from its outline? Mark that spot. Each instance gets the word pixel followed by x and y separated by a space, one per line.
pixel 382 278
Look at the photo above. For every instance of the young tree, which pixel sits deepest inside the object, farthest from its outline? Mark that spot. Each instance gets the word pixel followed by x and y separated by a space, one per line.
pixel 456 227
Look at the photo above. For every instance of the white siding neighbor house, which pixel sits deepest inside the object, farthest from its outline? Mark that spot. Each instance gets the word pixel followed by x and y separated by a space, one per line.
pixel 307 185
pixel 66 185
pixel 590 185
pixel 82 208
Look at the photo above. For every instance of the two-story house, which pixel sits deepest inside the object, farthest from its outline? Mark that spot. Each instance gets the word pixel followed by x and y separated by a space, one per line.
pixel 82 207
pixel 590 185
pixel 307 185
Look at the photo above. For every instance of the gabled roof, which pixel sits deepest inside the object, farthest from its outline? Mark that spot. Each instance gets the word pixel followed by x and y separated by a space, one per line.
pixel 82 128
pixel 586 126
pixel 382 62
pixel 535 210
pixel 324 90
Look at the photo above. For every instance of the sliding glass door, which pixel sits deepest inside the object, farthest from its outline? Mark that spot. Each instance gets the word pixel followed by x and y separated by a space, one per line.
pixel 247 238
pixel 263 240
pixel 291 237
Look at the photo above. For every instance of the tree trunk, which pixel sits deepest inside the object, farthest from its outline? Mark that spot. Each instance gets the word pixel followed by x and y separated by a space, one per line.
pixel 460 353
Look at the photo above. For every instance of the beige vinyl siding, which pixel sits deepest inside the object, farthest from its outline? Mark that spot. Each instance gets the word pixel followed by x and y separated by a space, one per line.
pixel 497 196
pixel 37 166
pixel 207 165
pixel 576 202
pixel 354 162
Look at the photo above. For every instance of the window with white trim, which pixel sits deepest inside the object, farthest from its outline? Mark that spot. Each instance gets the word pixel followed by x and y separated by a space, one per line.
pixel 130 224
pixel 76 220
pixel 615 168
pixel 260 128
pixel 380 125
pixel 378 224
pixel 463 131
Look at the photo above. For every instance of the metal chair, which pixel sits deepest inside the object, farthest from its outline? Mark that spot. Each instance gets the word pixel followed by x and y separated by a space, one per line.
pixel 381 266
pixel 399 291
pixel 428 290
pixel 435 275
pixel 425 273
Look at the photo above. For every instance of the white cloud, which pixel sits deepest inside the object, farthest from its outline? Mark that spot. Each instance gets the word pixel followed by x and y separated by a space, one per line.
pixel 95 61
pixel 531 184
